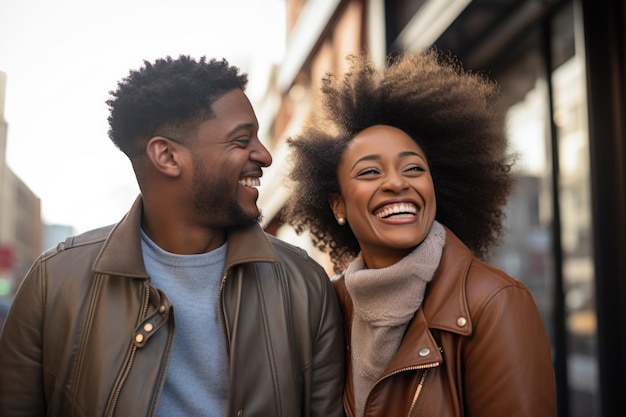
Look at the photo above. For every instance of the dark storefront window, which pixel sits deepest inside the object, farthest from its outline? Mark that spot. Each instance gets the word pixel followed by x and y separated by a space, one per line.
pixel 548 245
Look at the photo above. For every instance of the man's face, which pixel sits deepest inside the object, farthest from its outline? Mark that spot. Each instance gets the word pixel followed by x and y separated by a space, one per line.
pixel 227 159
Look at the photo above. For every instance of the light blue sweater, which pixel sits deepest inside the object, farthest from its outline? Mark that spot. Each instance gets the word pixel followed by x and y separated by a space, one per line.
pixel 197 377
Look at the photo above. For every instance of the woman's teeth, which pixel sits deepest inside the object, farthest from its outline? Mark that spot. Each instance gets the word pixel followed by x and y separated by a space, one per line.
pixel 406 209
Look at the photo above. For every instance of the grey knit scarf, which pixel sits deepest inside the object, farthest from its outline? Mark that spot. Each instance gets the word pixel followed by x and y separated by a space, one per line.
pixel 385 300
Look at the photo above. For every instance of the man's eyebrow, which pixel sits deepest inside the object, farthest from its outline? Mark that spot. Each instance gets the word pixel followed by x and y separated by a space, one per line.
pixel 241 126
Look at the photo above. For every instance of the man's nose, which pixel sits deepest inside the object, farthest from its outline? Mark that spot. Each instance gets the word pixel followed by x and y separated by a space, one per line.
pixel 261 155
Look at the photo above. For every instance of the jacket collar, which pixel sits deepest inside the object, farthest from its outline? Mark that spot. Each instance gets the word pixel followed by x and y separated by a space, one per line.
pixel 445 304
pixel 121 253
pixel 250 244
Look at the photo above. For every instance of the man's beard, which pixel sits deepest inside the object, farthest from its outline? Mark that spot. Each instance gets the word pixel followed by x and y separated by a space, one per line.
pixel 213 197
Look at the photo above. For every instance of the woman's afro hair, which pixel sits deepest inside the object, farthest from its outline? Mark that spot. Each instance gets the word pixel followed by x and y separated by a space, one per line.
pixel 447 111
pixel 169 96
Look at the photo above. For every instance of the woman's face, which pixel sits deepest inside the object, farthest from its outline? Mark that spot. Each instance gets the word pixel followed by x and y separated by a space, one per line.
pixel 387 194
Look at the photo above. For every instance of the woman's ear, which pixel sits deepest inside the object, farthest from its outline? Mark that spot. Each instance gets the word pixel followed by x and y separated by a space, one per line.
pixel 164 155
pixel 337 205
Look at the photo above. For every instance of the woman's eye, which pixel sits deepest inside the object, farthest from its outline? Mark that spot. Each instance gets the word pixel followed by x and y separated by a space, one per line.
pixel 368 171
pixel 415 168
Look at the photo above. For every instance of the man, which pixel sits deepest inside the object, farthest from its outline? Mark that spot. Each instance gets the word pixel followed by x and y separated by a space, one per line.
pixel 185 307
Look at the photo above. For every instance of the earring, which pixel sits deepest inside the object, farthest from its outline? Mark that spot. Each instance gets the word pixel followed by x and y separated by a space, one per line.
pixel 341 221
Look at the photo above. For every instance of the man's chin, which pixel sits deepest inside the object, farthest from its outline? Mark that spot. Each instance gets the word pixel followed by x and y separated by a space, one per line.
pixel 244 220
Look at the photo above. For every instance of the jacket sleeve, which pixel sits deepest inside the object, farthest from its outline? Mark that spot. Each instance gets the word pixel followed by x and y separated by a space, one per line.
pixel 508 367
pixel 328 370
pixel 22 372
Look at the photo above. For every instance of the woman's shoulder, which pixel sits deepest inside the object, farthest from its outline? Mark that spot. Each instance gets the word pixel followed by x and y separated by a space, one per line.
pixel 471 284
pixel 490 289
pixel 479 276
pixel 486 277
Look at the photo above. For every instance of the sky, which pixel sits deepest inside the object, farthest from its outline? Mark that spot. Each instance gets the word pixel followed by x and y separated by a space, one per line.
pixel 61 58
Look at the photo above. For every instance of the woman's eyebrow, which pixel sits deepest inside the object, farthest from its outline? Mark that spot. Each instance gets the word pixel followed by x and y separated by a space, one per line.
pixel 410 153
pixel 366 158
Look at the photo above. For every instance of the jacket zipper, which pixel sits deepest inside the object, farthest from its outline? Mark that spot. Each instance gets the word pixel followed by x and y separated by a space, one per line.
pixel 226 331
pixel 420 385
pixel 131 360
pixel 418 390
pixel 223 315
pixel 408 368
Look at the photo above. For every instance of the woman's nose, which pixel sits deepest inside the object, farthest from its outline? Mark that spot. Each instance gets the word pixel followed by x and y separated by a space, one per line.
pixel 395 181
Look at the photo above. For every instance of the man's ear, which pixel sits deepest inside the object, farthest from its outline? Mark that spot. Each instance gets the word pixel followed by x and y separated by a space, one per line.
pixel 164 155
pixel 337 205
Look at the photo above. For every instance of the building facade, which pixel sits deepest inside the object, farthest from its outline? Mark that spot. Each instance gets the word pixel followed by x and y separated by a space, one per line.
pixel 20 217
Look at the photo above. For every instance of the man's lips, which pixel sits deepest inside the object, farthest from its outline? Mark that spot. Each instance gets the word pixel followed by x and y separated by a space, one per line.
pixel 251 182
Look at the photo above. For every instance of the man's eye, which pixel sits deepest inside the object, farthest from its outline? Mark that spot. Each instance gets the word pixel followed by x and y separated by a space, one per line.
pixel 243 141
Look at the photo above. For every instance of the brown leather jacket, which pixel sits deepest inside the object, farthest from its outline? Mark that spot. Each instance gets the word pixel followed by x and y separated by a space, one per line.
pixel 477 347
pixel 89 336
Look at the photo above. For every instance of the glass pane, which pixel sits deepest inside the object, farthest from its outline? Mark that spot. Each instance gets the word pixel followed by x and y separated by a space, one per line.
pixel 570 117
pixel 526 248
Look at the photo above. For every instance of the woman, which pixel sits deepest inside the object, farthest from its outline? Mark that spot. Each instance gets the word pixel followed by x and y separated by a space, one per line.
pixel 402 178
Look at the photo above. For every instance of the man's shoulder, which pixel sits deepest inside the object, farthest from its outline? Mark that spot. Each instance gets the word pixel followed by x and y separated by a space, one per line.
pixel 284 248
pixel 86 239
pixel 294 257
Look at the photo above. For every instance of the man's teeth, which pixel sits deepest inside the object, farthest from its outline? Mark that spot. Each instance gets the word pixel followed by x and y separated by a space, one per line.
pixel 402 208
pixel 250 182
